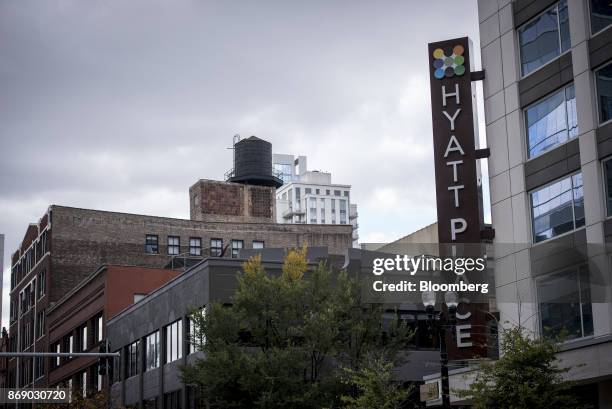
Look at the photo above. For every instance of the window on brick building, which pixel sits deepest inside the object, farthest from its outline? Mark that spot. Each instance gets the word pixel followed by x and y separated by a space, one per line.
pixel 152 244
pixel 174 245
pixel 83 340
pixel 98 328
pixel 258 244
pixel 216 247
pixel 42 284
pixel 39 367
pixel 195 246
pixel 237 245
pixel 40 324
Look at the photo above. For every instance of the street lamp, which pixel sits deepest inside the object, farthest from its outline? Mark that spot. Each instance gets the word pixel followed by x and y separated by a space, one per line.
pixel 440 322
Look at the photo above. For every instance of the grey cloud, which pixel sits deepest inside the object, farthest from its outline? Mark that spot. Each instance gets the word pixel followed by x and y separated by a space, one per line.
pixel 124 104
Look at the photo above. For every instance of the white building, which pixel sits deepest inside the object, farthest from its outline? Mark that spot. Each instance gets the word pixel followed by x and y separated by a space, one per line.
pixel 310 197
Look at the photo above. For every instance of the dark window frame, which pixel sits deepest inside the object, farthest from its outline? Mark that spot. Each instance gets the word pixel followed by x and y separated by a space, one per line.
pixel 176 248
pixel 215 251
pixel 522 73
pixel 579 273
pixel 151 246
pixel 599 107
pixel 195 250
pixel 573 204
pixel 236 249
pixel 540 101
pixel 607 185
pixel 591 27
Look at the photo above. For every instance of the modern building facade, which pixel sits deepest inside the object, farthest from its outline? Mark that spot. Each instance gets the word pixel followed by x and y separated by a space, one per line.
pixel 153 336
pixel 310 197
pixel 77 322
pixel 548 113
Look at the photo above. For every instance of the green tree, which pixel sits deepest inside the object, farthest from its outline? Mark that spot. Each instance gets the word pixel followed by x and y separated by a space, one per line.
pixel 376 386
pixel 287 339
pixel 527 375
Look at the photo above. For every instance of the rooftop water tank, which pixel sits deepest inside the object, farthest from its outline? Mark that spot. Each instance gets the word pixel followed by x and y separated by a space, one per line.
pixel 253 163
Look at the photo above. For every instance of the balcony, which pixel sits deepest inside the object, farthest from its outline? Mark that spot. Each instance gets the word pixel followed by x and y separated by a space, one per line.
pixel 289 213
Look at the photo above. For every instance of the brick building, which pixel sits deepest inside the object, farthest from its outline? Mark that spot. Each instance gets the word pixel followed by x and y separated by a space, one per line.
pixel 67 244
pixel 77 322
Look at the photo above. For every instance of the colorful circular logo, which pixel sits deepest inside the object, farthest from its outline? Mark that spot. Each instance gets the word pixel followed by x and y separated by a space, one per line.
pixel 448 62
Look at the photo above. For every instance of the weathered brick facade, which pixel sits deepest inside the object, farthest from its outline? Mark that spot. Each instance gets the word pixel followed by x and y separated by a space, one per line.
pixel 213 201
pixel 70 243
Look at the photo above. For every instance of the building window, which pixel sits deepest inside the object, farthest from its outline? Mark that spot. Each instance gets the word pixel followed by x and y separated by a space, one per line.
pixel 152 351
pixel 42 284
pixel 322 207
pixel 84 383
pixel 608 180
pixel 318 191
pixel 327 192
pixel 342 211
pixel 283 172
pixel 258 244
pixel 57 360
pixel 545 37
pixel 333 211
pixel 216 247
pixel 174 341
pixel 174 245
pixel 557 208
pixel 307 191
pixel 152 244
pixel 346 193
pixel 195 246
pixel 139 297
pixel 551 121
pixel 564 301
pixel 117 364
pixel 601 15
pixel 40 324
pixel 337 193
pixel 196 337
pixel 39 367
pixel 603 78
pixel 133 359
pixel 313 210
pixel 237 245
pixel 172 400
pixel 83 338
pixel 98 328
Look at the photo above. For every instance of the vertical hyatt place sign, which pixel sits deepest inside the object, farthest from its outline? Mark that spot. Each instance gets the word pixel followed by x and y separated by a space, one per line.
pixel 457 191
pixel 458 198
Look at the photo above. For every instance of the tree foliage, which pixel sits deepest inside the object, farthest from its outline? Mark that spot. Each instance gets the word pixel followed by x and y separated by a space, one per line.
pixel 527 375
pixel 287 340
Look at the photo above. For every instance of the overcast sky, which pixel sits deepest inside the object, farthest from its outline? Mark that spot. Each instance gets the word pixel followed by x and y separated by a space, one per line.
pixel 122 105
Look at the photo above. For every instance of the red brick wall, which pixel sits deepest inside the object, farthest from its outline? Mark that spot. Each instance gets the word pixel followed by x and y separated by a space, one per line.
pixel 123 282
